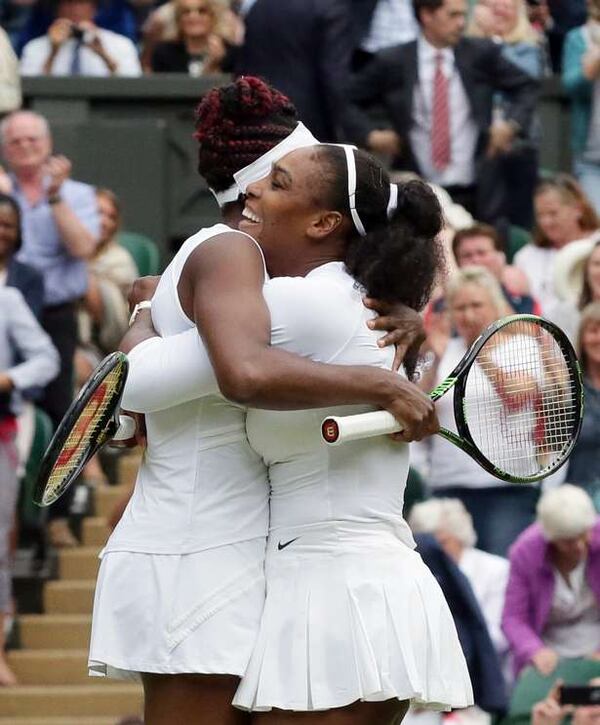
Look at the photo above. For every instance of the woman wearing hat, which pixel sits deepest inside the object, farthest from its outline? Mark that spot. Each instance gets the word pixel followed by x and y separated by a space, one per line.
pixel 576 282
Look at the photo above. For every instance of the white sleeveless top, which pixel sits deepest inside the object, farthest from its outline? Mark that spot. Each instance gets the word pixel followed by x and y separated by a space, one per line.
pixel 200 484
pixel 322 317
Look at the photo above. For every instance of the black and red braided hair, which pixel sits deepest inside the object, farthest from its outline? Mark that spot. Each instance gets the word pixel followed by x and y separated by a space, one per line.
pixel 238 123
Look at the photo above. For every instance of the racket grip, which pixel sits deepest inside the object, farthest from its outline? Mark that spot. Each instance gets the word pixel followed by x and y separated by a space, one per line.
pixel 341 429
pixel 126 429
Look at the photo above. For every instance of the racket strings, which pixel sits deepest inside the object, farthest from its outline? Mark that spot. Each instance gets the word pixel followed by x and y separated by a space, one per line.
pixel 521 400
pixel 90 424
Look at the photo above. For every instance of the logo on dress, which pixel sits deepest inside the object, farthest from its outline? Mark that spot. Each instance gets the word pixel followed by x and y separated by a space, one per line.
pixel 281 546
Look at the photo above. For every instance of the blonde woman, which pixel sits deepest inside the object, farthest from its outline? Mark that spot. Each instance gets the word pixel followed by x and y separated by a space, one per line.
pixel 500 512
pixel 563 214
pixel 199 47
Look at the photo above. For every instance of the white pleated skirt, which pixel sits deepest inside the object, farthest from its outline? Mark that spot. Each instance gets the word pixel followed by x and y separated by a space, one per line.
pixel 352 613
pixel 174 614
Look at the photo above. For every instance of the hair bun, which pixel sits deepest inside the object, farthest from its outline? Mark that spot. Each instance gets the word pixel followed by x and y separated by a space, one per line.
pixel 419 208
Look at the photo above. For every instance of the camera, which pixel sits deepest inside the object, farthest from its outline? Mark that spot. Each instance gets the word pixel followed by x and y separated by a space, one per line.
pixel 77 33
pixel 579 695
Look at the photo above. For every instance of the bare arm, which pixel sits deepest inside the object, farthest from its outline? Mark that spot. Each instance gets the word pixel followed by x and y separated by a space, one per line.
pixel 221 288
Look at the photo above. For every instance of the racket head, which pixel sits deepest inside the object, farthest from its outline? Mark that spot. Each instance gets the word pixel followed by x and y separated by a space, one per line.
pixel 91 421
pixel 518 399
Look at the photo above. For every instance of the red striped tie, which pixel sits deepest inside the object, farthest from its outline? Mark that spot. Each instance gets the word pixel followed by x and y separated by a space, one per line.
pixel 440 127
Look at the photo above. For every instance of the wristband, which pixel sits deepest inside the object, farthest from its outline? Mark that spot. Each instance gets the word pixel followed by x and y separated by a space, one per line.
pixel 143 305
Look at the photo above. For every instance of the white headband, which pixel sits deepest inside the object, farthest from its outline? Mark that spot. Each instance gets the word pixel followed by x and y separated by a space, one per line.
pixel 300 138
pixel 351 166
pixel 393 201
pixel 227 196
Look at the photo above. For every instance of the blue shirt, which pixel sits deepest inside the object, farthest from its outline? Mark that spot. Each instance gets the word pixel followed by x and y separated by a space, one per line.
pixel 584 463
pixel 65 276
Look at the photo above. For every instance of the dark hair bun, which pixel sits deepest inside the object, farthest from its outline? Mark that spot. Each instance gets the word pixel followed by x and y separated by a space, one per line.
pixel 419 209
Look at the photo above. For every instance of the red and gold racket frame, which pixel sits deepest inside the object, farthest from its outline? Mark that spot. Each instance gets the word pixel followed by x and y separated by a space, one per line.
pixel 91 421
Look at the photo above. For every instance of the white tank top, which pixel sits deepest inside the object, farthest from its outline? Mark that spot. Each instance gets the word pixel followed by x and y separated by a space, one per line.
pixel 322 317
pixel 200 484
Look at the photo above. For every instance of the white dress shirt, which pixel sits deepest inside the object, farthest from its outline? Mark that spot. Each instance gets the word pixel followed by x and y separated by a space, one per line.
pixel 122 51
pixel 463 131
pixel 393 23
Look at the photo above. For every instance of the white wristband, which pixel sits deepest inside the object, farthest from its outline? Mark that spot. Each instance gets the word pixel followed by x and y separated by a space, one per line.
pixel 143 305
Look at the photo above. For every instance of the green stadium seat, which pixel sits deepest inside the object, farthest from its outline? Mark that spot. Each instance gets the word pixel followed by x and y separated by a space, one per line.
pixel 144 251
pixel 30 515
pixel 517 238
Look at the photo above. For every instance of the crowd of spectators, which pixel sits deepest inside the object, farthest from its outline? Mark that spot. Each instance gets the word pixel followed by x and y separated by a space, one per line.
pixel 444 89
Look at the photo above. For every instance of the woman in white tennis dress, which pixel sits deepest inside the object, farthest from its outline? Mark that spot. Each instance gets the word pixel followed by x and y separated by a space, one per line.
pixel 352 614
pixel 181 584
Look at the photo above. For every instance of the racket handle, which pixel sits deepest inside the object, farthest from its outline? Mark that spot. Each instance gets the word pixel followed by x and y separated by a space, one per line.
pixel 336 430
pixel 126 428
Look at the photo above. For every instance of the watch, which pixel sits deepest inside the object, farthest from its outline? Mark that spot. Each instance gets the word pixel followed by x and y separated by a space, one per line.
pixel 54 198
pixel 143 305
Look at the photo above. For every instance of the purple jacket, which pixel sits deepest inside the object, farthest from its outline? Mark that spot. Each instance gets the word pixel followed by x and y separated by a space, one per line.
pixel 531 588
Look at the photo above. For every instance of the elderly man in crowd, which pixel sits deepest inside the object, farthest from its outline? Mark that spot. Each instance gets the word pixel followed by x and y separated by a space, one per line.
pixel 75 46
pixel 60 232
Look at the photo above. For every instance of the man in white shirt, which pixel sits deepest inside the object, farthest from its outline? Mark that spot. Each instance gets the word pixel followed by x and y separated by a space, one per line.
pixel 75 46
pixel 438 92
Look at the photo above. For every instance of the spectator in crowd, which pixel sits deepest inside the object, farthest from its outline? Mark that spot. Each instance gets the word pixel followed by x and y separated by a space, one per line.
pixel 482 246
pixel 13 273
pixel 382 24
pixel 111 273
pixel 550 711
pixel 10 83
pixel 75 46
pixel 499 511
pixel 451 524
pixel 576 283
pixel 438 92
pixel 563 214
pixel 161 26
pixel 305 50
pixel 584 463
pixel 552 605
pixel 199 49
pixel 60 232
pixel 21 338
pixel 507 20
pixel 581 81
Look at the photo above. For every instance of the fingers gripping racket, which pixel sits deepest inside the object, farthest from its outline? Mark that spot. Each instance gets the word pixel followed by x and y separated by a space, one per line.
pixel 91 421
pixel 518 401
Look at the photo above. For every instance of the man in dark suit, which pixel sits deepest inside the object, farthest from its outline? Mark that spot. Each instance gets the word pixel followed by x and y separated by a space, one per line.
pixel 438 92
pixel 303 48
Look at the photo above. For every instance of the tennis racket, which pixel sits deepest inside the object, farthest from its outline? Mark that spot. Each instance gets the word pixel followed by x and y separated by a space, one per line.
pixel 518 401
pixel 91 421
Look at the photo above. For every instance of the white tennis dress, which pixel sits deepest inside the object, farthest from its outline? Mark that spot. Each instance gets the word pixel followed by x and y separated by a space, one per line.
pixel 181 583
pixel 351 612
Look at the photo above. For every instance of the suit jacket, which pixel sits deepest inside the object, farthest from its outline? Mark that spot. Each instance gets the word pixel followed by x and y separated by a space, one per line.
pixel 489 690
pixel 390 79
pixel 302 47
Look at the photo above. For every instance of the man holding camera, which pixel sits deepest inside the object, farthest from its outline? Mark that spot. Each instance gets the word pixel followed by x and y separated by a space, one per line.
pixel 75 46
